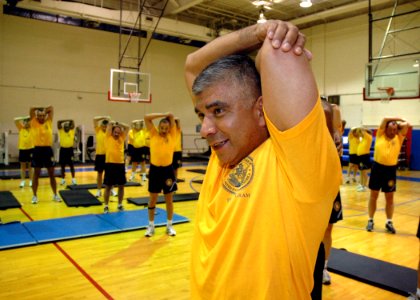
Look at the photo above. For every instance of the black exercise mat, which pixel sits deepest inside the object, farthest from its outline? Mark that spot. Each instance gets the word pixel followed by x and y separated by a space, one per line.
pixel 7 200
pixel 79 198
pixel 200 181
pixel 200 171
pixel 161 199
pixel 90 186
pixel 387 276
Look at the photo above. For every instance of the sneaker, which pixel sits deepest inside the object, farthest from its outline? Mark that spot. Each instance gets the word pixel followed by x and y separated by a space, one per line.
pixel 390 227
pixel 73 181
pixel 413 297
pixel 30 183
pixel 98 193
pixel 34 200
pixel 348 181
pixel 361 188
pixel 56 198
pixel 369 226
pixel 144 177
pixel 326 278
pixel 114 193
pixel 150 231
pixel 22 184
pixel 132 177
pixel 106 209
pixel 170 231
pixel 120 207
pixel 63 181
pixel 354 180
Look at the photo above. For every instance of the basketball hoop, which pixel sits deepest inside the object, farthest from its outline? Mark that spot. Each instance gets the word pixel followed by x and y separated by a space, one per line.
pixel 386 93
pixel 134 97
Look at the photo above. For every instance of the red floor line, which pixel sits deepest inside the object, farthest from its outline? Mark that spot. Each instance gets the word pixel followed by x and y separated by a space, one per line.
pixel 26 214
pixel 84 273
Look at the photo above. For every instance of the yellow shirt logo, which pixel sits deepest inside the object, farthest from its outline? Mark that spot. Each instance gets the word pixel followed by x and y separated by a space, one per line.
pixel 240 176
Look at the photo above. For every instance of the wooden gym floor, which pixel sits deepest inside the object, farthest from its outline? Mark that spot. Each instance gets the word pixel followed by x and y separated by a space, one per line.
pixel 129 266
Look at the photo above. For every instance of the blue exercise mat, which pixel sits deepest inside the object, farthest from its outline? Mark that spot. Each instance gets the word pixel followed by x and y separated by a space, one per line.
pixel 137 219
pixel 69 228
pixel 14 235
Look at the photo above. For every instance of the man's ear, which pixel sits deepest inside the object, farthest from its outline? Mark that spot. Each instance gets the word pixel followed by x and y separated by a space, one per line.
pixel 260 111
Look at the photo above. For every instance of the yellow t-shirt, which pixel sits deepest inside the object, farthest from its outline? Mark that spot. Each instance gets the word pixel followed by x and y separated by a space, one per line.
pixel 162 148
pixel 66 138
pixel 114 149
pixel 364 144
pixel 259 225
pixel 387 150
pixel 100 141
pixel 139 138
pixel 130 137
pixel 353 144
pixel 41 133
pixel 25 138
pixel 178 139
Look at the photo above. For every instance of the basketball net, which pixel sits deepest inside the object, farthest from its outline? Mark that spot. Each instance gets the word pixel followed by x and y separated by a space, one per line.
pixel 386 93
pixel 134 97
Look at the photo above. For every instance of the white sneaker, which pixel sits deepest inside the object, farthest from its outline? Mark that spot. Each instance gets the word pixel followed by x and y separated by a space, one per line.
pixel 56 198
pixel 34 200
pixel 361 189
pixel 114 193
pixel 106 209
pixel 150 231
pixel 73 181
pixel 120 207
pixel 132 177
pixel 30 182
pixel 98 193
pixel 144 177
pixel 22 184
pixel 63 181
pixel 326 278
pixel 170 231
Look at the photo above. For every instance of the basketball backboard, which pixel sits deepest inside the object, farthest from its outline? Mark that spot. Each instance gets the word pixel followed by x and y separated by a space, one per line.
pixel 129 86
pixel 389 79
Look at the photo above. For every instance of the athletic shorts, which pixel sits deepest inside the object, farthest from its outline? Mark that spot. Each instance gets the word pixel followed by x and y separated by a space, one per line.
pixel 145 153
pixel 66 156
pixel 364 162
pixel 354 159
pixel 177 160
pixel 129 150
pixel 25 155
pixel 100 162
pixel 337 210
pixel 139 154
pixel 418 230
pixel 383 178
pixel 162 179
pixel 43 157
pixel 114 174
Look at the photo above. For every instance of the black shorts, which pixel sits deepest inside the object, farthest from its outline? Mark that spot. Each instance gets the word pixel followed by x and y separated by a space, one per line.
pixel 162 179
pixel 25 156
pixel 383 178
pixel 100 162
pixel 354 159
pixel 66 156
pixel 129 150
pixel 139 154
pixel 114 174
pixel 418 230
pixel 43 157
pixel 364 162
pixel 177 160
pixel 337 210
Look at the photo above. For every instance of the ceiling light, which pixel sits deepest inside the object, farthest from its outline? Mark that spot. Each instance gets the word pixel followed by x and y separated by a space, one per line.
pixel 305 3
pixel 262 18
pixel 416 63
pixel 261 3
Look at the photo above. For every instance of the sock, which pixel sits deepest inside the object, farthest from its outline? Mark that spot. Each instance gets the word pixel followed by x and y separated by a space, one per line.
pixel 389 220
pixel 418 292
pixel 325 264
pixel 152 223
pixel 169 223
pixel 371 219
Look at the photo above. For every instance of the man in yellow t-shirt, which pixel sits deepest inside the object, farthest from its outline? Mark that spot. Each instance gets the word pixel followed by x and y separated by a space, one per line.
pixel 116 133
pixel 138 153
pixel 161 172
pixel 43 157
pixel 389 139
pixel 353 140
pixel 266 199
pixel 26 146
pixel 363 157
pixel 66 157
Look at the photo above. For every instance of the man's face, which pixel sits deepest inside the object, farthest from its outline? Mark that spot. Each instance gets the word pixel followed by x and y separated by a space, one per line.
pixel 66 127
pixel 163 128
pixel 41 116
pixel 391 130
pixel 232 126
pixel 116 132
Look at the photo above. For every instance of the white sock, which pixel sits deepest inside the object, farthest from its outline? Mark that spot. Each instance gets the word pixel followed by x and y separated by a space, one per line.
pixel 169 223
pixel 389 220
pixel 152 223
pixel 418 292
pixel 371 219
pixel 325 264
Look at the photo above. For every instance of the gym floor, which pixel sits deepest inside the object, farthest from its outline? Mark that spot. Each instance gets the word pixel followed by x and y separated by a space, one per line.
pixel 129 266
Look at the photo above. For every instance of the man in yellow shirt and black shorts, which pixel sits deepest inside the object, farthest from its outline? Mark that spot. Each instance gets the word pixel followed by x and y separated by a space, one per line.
pixel 389 139
pixel 43 156
pixel 161 172
pixel 66 157
pixel 274 170
pixel 26 147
